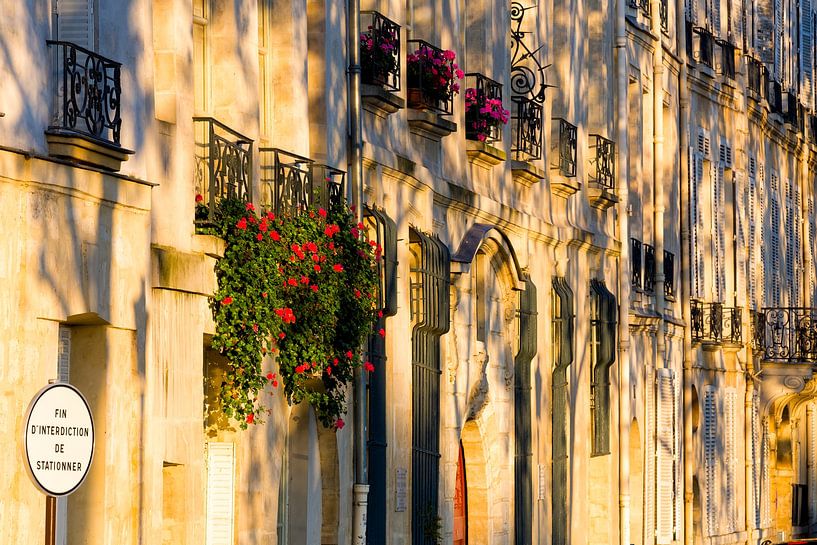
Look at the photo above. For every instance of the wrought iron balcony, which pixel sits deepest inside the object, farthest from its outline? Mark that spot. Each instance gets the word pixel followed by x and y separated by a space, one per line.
pixel 727 65
pixel 87 93
pixel 223 166
pixel 790 109
pixel 755 69
pixel 291 183
pixel 669 274
pixel 380 51
pixel 715 323
pixel 775 97
pixel 603 162
pixel 422 94
pixel 705 52
pixel 786 334
pixel 484 127
pixel 567 148
pixel 649 268
pixel 635 262
pixel 643 5
pixel 526 127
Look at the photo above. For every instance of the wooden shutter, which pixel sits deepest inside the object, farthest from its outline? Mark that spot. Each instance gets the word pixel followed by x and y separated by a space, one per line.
pixel 718 226
pixel 766 492
pixel 220 493
pixel 753 241
pixel 650 477
pixel 696 222
pixel 716 18
pixel 762 296
pixel 665 456
pixel 75 22
pixel 791 244
pixel 778 40
pixel 773 258
pixel 812 460
pixel 812 244
pixel 730 449
pixel 806 57
pixel 711 484
pixel 742 223
pixel 756 459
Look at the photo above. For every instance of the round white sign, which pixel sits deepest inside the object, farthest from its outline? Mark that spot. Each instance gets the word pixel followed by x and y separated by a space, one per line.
pixel 58 439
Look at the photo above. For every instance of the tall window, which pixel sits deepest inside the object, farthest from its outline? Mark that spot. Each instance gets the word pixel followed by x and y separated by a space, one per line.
pixel 603 311
pixel 76 22
pixel 562 333
pixel 201 99
pixel 430 268
pixel 523 496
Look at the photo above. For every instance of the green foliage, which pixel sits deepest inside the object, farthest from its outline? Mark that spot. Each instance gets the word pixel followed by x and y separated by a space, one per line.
pixel 299 286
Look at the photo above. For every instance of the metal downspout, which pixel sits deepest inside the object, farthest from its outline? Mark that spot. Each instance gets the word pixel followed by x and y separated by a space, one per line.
pixel 658 182
pixel 624 278
pixel 361 486
pixel 684 285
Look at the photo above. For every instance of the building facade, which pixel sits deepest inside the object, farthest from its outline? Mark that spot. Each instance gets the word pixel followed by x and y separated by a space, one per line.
pixel 599 316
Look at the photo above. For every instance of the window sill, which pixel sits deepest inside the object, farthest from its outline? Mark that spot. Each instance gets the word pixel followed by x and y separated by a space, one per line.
pixel 563 186
pixel 601 198
pixel 526 173
pixel 379 101
pixel 430 125
pixel 483 155
pixel 86 150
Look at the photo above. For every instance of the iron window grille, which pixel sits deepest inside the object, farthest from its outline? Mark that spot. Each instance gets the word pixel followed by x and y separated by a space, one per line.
pixel 635 262
pixel 292 183
pixel 715 323
pixel 727 66
pixel 603 162
pixel 523 466
pixel 383 231
pixel 484 89
pixel 86 93
pixel 567 148
pixel 420 96
pixel 382 31
pixel 603 319
pixel 649 268
pixel 526 127
pixel 757 320
pixel 429 304
pixel 787 334
pixel 223 159
pixel 705 52
pixel 663 8
pixel 669 274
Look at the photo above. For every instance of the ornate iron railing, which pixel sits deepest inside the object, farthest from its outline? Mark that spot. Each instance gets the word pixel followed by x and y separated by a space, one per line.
pixel 775 97
pixel 223 159
pixel 790 110
pixel 669 274
pixel 787 334
pixel 567 148
pixel 87 93
pixel 635 262
pixel 603 162
pixel 706 47
pixel 380 51
pixel 715 323
pixel 479 90
pixel 526 127
pixel 291 183
pixel 643 5
pixel 663 9
pixel 758 324
pixel 649 268
pixel 422 95
pixel 755 70
pixel 727 67
pixel 527 89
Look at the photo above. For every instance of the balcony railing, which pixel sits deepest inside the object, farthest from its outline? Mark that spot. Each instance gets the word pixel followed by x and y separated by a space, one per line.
pixel 786 334
pixel 755 69
pixel 87 92
pixel 482 91
pixel 775 97
pixel 715 323
pixel 649 268
pixel 291 183
pixel 635 262
pixel 669 274
pixel 567 148
pixel 421 93
pixel 223 166
pixel 642 5
pixel 603 162
pixel 727 67
pixel 705 52
pixel 790 111
pixel 380 51
pixel 526 127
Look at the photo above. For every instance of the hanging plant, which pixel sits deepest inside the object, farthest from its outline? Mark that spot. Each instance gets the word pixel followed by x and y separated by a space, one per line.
pixel 484 117
pixel 301 286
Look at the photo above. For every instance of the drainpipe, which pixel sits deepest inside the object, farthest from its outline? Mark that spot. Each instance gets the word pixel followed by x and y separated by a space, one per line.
pixel 361 487
pixel 658 182
pixel 685 286
pixel 623 279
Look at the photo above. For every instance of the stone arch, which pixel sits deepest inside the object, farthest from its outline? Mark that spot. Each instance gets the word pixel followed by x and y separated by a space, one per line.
pixel 493 242
pixel 636 485
pixel 477 485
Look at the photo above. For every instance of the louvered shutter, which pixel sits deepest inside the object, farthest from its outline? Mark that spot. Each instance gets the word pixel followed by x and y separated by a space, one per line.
pixel 806 59
pixel 773 259
pixel 812 244
pixel 778 40
pixel 736 23
pixel 762 195
pixel 797 285
pixel 764 32
pixel 696 222
pixel 693 13
pixel 665 456
pixel 710 461
pixel 75 22
pixel 812 460
pixel 730 449
pixel 64 354
pixel 791 280
pixel 753 241
pixel 718 233
pixel 704 144
pixel 756 459
pixel 220 493
pixel 766 492
pixel 716 18
pixel 649 464
pixel 742 224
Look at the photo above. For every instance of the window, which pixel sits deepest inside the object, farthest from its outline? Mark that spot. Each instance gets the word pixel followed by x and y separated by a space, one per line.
pixel 76 22
pixel 603 319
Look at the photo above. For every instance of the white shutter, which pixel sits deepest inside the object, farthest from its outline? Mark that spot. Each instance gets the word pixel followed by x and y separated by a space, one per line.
pixel 725 154
pixel 220 493
pixel 716 18
pixel 791 236
pixel 763 297
pixel 710 461
pixel 753 242
pixel 75 22
pixel 812 243
pixel 742 224
pixel 665 457
pixel 812 461
pixel 718 226
pixel 806 58
pixel 756 459
pixel 64 354
pixel 696 222
pixel 649 464
pixel 773 258
pixel 766 493
pixel 736 23
pixel 797 287
pixel 778 40
pixel 730 449
pixel 704 144
pixel 692 7
pixel 764 31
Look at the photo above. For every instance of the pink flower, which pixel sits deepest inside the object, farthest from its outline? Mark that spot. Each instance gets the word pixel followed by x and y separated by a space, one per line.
pixel 382 333
pixel 339 423
pixel 368 366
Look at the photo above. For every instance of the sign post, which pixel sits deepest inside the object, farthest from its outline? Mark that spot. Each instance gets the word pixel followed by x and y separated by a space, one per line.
pixel 58 441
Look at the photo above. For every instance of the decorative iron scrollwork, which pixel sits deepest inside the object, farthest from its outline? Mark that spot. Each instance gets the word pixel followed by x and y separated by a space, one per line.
pixel 787 334
pixel 291 183
pixel 715 323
